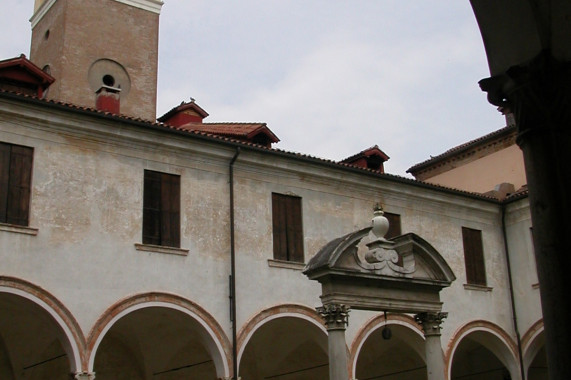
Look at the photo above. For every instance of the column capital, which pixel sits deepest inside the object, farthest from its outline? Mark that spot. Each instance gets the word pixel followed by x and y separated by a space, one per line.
pixel 84 375
pixel 430 322
pixel 336 316
pixel 537 92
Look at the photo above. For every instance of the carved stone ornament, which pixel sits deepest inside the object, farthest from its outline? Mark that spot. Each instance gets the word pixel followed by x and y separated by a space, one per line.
pixel 336 316
pixel 431 322
pixel 382 257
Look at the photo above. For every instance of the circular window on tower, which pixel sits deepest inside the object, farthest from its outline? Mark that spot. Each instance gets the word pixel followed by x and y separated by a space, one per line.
pixel 108 80
pixel 106 72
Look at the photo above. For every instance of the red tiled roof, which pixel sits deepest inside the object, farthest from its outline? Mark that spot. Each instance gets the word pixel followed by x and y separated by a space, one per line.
pixel 217 137
pixel 36 74
pixel 183 107
pixel 240 130
pixel 374 150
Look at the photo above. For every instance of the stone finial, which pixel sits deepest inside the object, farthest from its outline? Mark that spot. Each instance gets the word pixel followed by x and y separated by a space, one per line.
pixel 379 222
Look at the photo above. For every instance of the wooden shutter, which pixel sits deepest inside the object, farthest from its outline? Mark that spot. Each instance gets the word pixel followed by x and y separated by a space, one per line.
pixel 152 208
pixel 295 229
pixel 394 225
pixel 15 183
pixel 474 256
pixel 161 209
pixel 20 185
pixel 287 227
pixel 170 210
pixel 279 223
pixel 4 179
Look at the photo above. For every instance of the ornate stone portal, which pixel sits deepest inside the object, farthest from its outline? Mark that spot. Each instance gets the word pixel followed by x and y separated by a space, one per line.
pixel 404 274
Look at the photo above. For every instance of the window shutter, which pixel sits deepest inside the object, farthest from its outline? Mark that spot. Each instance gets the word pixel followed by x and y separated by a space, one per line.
pixel 474 256
pixel 161 209
pixel 295 230
pixel 19 186
pixel 170 210
pixel 287 227
pixel 279 224
pixel 152 208
pixel 4 179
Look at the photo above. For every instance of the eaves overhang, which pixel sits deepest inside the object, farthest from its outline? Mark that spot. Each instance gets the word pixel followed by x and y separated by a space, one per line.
pixel 234 143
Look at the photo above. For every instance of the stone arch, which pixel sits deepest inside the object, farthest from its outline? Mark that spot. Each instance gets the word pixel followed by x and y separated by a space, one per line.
pixel 209 332
pixel 67 330
pixel 298 314
pixel 409 332
pixel 533 343
pixel 490 336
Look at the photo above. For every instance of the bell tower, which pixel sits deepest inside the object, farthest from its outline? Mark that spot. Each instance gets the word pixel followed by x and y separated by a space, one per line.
pixel 90 44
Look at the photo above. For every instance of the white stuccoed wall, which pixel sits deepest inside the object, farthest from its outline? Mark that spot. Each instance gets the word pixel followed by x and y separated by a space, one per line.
pixel 87 204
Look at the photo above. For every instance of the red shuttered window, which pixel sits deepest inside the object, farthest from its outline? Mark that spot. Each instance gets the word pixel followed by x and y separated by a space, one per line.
pixel 161 209
pixel 474 256
pixel 287 227
pixel 15 183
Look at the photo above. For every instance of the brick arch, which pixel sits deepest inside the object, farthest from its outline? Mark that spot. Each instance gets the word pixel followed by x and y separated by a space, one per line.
pixel 374 324
pixel 271 313
pixel 215 340
pixel 71 335
pixel 488 328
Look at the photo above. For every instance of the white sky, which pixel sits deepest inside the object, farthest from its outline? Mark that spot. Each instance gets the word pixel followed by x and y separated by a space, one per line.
pixel 329 77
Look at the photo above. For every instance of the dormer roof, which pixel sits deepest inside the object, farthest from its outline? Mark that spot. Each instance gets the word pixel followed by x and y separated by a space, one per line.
pixel 372 158
pixel 21 75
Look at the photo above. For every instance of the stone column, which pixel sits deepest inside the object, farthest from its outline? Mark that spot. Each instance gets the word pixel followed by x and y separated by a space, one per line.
pixel 539 94
pixel 434 359
pixel 84 375
pixel 336 318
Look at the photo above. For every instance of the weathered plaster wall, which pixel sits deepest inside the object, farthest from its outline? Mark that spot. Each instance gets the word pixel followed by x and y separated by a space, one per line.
pixel 87 206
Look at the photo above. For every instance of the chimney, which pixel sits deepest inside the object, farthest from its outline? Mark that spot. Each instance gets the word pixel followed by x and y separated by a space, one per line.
pixel 107 99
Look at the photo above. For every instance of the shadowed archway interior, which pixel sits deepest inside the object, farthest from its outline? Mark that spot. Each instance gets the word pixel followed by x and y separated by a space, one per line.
pixel 30 342
pixel 154 343
pixel 286 348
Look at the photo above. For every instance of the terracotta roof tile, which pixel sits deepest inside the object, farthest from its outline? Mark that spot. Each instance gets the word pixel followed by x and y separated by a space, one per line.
pixel 217 137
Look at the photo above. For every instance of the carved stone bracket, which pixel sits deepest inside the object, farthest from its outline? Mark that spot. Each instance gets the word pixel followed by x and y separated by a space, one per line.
pixel 537 93
pixel 430 322
pixel 336 316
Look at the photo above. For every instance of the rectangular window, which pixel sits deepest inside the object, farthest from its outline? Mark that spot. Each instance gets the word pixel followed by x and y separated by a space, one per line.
pixel 15 183
pixel 394 225
pixel 161 209
pixel 474 256
pixel 287 228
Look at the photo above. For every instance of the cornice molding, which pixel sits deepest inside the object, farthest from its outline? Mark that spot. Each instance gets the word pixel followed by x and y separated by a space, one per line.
pixel 41 12
pixel 148 5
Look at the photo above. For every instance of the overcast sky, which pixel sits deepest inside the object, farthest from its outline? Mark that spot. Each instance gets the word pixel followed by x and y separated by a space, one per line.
pixel 329 77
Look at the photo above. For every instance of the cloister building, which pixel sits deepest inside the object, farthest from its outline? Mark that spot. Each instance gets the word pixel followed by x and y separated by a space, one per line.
pixel 132 248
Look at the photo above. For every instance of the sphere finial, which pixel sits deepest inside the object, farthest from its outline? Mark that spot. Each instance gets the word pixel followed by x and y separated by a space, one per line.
pixel 379 222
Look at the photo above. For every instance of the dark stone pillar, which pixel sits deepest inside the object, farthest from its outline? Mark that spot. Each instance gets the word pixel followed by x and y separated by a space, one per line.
pixel 539 95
